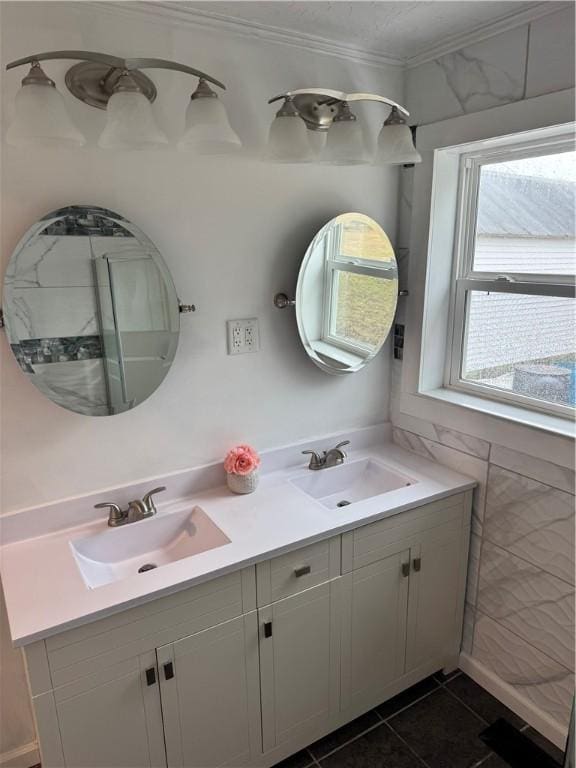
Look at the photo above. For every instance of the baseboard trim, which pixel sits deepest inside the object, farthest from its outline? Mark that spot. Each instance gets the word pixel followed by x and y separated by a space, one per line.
pixel 23 757
pixel 523 707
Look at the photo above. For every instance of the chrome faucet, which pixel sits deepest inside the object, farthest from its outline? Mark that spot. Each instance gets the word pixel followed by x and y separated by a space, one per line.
pixel 330 458
pixel 137 510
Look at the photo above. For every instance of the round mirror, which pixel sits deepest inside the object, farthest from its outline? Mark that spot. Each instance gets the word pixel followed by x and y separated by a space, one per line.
pixel 347 293
pixel 90 310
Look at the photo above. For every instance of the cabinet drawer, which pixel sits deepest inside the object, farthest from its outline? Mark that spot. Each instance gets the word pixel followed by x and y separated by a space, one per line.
pixel 376 541
pixel 296 571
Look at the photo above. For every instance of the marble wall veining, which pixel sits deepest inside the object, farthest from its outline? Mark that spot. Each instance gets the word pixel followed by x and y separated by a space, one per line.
pixel 527 61
pixel 519 618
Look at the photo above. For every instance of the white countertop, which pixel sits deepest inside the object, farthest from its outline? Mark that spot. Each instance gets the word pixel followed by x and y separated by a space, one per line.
pixel 46 594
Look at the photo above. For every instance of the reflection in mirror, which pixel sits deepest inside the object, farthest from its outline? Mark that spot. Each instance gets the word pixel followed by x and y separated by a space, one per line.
pixel 347 293
pixel 91 311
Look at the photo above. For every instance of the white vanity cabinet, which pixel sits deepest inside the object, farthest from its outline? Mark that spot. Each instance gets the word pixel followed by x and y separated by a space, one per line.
pixel 247 668
pixel 112 718
pixel 299 643
pixel 209 692
pixel 403 600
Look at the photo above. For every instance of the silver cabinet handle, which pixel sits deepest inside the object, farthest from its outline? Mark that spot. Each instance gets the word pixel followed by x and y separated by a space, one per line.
pixel 302 571
pixel 405 569
pixel 417 563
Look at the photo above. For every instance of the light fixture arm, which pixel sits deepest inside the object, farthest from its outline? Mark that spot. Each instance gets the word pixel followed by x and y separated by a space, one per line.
pixel 99 58
pixel 115 62
pixel 333 97
pixel 319 107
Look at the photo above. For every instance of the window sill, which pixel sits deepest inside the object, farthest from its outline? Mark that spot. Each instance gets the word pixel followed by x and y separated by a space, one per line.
pixel 513 413
pixel 336 354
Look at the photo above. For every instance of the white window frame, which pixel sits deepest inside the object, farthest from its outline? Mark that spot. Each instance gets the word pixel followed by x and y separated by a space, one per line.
pixel 336 263
pixel 465 279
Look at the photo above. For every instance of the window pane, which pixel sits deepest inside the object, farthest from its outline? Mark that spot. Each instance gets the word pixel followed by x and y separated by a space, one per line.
pixel 526 216
pixel 520 343
pixel 363 308
pixel 361 240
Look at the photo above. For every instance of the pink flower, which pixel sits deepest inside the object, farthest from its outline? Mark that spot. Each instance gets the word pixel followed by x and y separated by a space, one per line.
pixel 241 460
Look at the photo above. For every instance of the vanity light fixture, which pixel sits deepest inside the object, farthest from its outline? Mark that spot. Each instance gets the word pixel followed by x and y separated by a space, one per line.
pixel 395 142
pixel 345 140
pixel 323 110
pixel 288 137
pixel 41 116
pixel 117 85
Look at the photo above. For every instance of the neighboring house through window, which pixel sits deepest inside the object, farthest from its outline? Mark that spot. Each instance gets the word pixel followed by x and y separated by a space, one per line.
pixel 513 321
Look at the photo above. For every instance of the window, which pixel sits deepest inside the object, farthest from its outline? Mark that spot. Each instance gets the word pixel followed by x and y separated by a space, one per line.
pixel 361 287
pixel 513 307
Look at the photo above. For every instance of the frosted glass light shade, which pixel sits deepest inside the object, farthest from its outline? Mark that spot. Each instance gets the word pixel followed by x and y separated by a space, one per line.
pixel 288 140
pixel 131 123
pixel 395 146
pixel 41 119
pixel 208 130
pixel 345 144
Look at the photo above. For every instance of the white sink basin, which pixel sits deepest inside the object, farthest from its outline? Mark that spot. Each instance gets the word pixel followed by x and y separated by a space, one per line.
pixel 118 553
pixel 350 482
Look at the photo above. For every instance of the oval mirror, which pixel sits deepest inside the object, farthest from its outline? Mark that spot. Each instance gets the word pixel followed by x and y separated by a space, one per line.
pixel 347 293
pixel 90 310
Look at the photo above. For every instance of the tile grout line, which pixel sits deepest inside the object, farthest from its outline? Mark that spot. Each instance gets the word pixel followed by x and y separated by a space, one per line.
pixel 484 760
pixel 385 719
pixel 512 632
pixel 524 560
pixel 464 704
pixel 346 743
pixel 407 745
pixel 314 761
pixel 535 479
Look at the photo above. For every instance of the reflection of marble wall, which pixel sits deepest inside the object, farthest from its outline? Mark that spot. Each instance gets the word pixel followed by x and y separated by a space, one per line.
pixel 519 618
pixel 50 273
pixel 78 386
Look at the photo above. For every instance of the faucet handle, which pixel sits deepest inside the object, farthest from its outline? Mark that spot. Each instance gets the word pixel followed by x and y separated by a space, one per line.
pixel 316 461
pixel 116 513
pixel 148 501
pixel 342 444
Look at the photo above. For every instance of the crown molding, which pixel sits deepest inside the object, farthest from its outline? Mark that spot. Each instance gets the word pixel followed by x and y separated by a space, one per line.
pixel 177 13
pixel 513 20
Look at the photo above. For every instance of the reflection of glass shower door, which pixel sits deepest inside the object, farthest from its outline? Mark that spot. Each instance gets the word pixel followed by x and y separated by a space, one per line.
pixel 115 375
pixel 135 326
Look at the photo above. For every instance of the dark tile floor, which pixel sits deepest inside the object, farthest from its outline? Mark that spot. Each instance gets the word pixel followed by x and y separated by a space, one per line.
pixel 434 724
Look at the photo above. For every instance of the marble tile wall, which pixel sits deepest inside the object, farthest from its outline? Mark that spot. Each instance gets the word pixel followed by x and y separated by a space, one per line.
pixel 527 61
pixel 519 618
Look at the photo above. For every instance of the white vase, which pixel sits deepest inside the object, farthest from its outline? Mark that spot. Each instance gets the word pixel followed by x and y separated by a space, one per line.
pixel 242 483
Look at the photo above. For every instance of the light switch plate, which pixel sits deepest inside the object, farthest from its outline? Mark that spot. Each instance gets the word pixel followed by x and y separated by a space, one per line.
pixel 243 336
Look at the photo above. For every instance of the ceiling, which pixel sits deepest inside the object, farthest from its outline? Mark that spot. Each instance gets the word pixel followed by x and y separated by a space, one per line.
pixel 402 30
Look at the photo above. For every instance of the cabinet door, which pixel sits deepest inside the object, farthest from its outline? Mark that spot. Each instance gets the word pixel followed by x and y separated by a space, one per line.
pixel 209 688
pixel 434 604
pixel 374 630
pixel 113 718
pixel 299 658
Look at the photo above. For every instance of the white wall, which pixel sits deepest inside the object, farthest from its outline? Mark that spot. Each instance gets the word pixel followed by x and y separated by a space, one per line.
pixel 232 232
pixel 519 621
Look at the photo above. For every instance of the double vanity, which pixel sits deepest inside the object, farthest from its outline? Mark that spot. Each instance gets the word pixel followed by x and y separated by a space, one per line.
pixel 234 630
